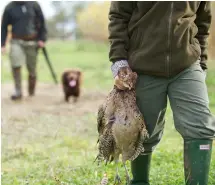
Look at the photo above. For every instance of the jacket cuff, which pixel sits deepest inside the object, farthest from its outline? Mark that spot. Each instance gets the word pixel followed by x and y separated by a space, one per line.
pixel 203 65
pixel 41 38
pixel 117 65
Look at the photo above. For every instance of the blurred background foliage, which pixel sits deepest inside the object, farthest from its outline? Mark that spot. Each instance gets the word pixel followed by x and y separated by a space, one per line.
pixel 74 20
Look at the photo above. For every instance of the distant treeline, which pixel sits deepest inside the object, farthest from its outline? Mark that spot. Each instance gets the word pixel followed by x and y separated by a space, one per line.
pixel 91 22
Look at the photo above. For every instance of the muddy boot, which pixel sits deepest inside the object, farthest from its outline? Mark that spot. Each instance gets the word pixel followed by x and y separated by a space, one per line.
pixel 31 85
pixel 197 157
pixel 17 82
pixel 140 169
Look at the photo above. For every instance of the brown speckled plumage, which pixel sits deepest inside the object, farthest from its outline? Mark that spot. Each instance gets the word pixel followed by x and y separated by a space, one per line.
pixel 121 125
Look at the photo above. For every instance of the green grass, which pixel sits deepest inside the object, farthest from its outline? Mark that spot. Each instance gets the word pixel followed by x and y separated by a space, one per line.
pixel 92 58
pixel 47 144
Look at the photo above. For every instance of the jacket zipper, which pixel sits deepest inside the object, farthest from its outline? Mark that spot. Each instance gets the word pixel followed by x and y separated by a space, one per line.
pixel 169 40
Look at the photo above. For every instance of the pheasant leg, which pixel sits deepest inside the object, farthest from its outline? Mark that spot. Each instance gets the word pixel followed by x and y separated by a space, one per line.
pixel 117 179
pixel 127 175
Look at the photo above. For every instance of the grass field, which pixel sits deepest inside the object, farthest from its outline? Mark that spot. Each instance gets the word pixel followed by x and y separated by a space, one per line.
pixel 48 142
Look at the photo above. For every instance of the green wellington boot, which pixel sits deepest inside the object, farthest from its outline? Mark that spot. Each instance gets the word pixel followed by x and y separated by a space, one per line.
pixel 140 169
pixel 197 157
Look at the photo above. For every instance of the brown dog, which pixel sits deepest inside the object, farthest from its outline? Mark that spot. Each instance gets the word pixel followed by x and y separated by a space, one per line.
pixel 71 81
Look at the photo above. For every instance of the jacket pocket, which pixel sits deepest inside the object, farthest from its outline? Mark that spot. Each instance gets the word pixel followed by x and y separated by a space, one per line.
pixel 133 40
pixel 134 44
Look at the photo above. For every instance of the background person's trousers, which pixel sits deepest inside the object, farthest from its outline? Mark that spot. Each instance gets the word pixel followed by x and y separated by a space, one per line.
pixel 188 97
pixel 24 52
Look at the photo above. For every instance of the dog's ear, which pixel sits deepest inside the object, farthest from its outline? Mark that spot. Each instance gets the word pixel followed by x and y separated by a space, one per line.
pixel 79 73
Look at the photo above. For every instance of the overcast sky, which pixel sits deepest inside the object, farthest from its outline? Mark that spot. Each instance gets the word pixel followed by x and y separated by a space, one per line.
pixel 45 5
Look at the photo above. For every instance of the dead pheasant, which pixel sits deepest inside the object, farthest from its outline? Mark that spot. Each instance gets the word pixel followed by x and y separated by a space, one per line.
pixel 120 124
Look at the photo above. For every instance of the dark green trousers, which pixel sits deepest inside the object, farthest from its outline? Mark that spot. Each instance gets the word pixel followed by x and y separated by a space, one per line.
pixel 188 97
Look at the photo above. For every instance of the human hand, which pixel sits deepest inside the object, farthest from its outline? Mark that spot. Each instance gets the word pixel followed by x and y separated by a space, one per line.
pixel 41 44
pixel 3 50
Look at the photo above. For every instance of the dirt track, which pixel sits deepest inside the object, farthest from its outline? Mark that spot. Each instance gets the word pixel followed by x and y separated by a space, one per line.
pixel 24 120
pixel 49 99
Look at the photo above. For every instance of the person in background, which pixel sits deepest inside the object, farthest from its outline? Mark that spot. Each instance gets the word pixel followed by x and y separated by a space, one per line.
pixel 28 34
pixel 166 44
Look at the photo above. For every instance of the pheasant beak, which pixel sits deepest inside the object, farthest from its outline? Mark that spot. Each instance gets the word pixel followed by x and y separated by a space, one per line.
pixel 127 86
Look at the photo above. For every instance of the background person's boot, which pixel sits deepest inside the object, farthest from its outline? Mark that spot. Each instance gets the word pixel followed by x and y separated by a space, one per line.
pixel 17 82
pixel 31 85
pixel 197 157
pixel 140 168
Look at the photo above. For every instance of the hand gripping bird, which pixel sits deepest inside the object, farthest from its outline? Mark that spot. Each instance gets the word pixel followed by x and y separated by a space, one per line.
pixel 120 124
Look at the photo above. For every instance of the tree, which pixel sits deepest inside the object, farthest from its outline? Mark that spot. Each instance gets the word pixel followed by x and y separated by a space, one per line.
pixel 93 21
pixel 64 19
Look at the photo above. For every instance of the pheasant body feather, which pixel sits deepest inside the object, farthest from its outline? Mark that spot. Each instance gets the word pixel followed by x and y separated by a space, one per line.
pixel 121 127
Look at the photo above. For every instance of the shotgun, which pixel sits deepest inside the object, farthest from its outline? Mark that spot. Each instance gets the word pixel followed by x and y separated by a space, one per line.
pixel 49 64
